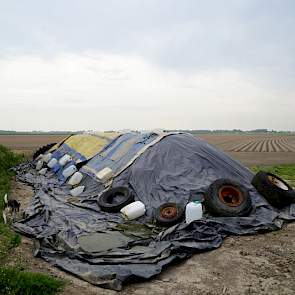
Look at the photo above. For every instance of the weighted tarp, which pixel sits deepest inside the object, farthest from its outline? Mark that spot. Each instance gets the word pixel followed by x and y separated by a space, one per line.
pixel 76 236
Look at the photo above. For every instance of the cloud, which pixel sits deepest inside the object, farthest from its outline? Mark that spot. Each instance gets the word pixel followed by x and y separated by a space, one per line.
pixel 102 91
pixel 148 63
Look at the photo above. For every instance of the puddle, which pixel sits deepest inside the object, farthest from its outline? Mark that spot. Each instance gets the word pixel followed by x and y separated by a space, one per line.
pixel 99 242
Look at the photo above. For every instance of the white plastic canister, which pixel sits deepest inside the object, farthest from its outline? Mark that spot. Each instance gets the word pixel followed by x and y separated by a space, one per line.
pixel 39 164
pixel 133 210
pixel 69 171
pixel 47 157
pixel 43 171
pixel 64 160
pixel 52 163
pixel 76 178
pixel 40 157
pixel 193 211
pixel 77 190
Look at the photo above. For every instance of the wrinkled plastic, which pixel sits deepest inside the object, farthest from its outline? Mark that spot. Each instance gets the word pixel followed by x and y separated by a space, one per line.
pixel 166 172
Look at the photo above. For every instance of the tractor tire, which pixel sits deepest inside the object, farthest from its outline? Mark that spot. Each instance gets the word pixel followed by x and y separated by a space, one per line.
pixel 106 201
pixel 227 198
pixel 275 190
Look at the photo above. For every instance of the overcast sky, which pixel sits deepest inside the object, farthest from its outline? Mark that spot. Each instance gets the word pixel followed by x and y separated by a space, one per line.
pixel 144 64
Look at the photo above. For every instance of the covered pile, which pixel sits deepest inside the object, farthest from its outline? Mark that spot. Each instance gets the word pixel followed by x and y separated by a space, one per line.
pixel 76 235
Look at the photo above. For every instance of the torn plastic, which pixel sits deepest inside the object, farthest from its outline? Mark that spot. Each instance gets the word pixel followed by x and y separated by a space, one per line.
pixel 176 169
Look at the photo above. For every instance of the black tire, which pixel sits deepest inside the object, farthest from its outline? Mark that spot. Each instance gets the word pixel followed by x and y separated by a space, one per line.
pixel 274 189
pixel 43 150
pixel 106 203
pixel 227 198
pixel 169 214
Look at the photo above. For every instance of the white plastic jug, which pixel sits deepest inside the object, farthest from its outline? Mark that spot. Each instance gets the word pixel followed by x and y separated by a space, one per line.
pixel 193 211
pixel 40 157
pixel 64 160
pixel 43 171
pixel 133 210
pixel 52 163
pixel 39 164
pixel 77 190
pixel 69 171
pixel 47 157
pixel 105 174
pixel 76 178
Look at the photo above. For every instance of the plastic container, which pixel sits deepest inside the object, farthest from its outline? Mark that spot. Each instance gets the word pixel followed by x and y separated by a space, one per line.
pixel 193 211
pixel 105 174
pixel 64 160
pixel 47 157
pixel 52 163
pixel 75 192
pixel 69 171
pixel 40 157
pixel 43 171
pixel 39 164
pixel 133 210
pixel 76 178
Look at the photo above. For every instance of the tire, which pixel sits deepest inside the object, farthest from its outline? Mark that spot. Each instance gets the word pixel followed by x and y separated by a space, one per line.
pixel 274 189
pixel 227 198
pixel 105 200
pixel 43 150
pixel 169 214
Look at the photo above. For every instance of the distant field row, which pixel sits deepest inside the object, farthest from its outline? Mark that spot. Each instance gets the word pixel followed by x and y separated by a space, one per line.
pixel 250 143
pixel 28 143
pixel 249 149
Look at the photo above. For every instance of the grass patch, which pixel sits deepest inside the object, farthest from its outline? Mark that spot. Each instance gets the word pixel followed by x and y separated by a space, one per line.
pixel 286 172
pixel 8 238
pixel 15 282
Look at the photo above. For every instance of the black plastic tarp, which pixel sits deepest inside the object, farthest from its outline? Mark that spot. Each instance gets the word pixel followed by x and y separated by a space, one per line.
pixel 175 169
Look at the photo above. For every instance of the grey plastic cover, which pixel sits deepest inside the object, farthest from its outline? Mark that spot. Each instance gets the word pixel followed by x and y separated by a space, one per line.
pixel 103 249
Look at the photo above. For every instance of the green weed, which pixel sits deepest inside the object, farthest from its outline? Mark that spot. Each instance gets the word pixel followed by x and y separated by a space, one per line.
pixel 286 172
pixel 15 282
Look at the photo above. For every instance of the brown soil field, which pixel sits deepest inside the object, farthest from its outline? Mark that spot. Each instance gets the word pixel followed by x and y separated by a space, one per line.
pixel 248 149
pixel 28 143
pixel 255 149
pixel 250 143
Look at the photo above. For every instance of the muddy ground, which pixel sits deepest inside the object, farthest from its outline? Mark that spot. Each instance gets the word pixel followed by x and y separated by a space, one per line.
pixel 260 264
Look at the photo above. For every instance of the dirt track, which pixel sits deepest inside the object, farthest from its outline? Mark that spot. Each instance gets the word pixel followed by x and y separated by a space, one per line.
pixel 260 264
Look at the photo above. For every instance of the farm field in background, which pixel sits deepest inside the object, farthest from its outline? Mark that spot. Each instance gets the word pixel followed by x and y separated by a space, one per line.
pixel 257 149
pixel 252 143
pixel 28 143
pixel 250 149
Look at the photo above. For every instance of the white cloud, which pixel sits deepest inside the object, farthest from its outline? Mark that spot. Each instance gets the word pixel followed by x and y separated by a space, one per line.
pixel 102 91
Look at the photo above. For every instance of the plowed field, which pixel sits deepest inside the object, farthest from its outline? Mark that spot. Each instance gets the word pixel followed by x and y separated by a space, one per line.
pixel 28 143
pixel 247 143
pixel 249 149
